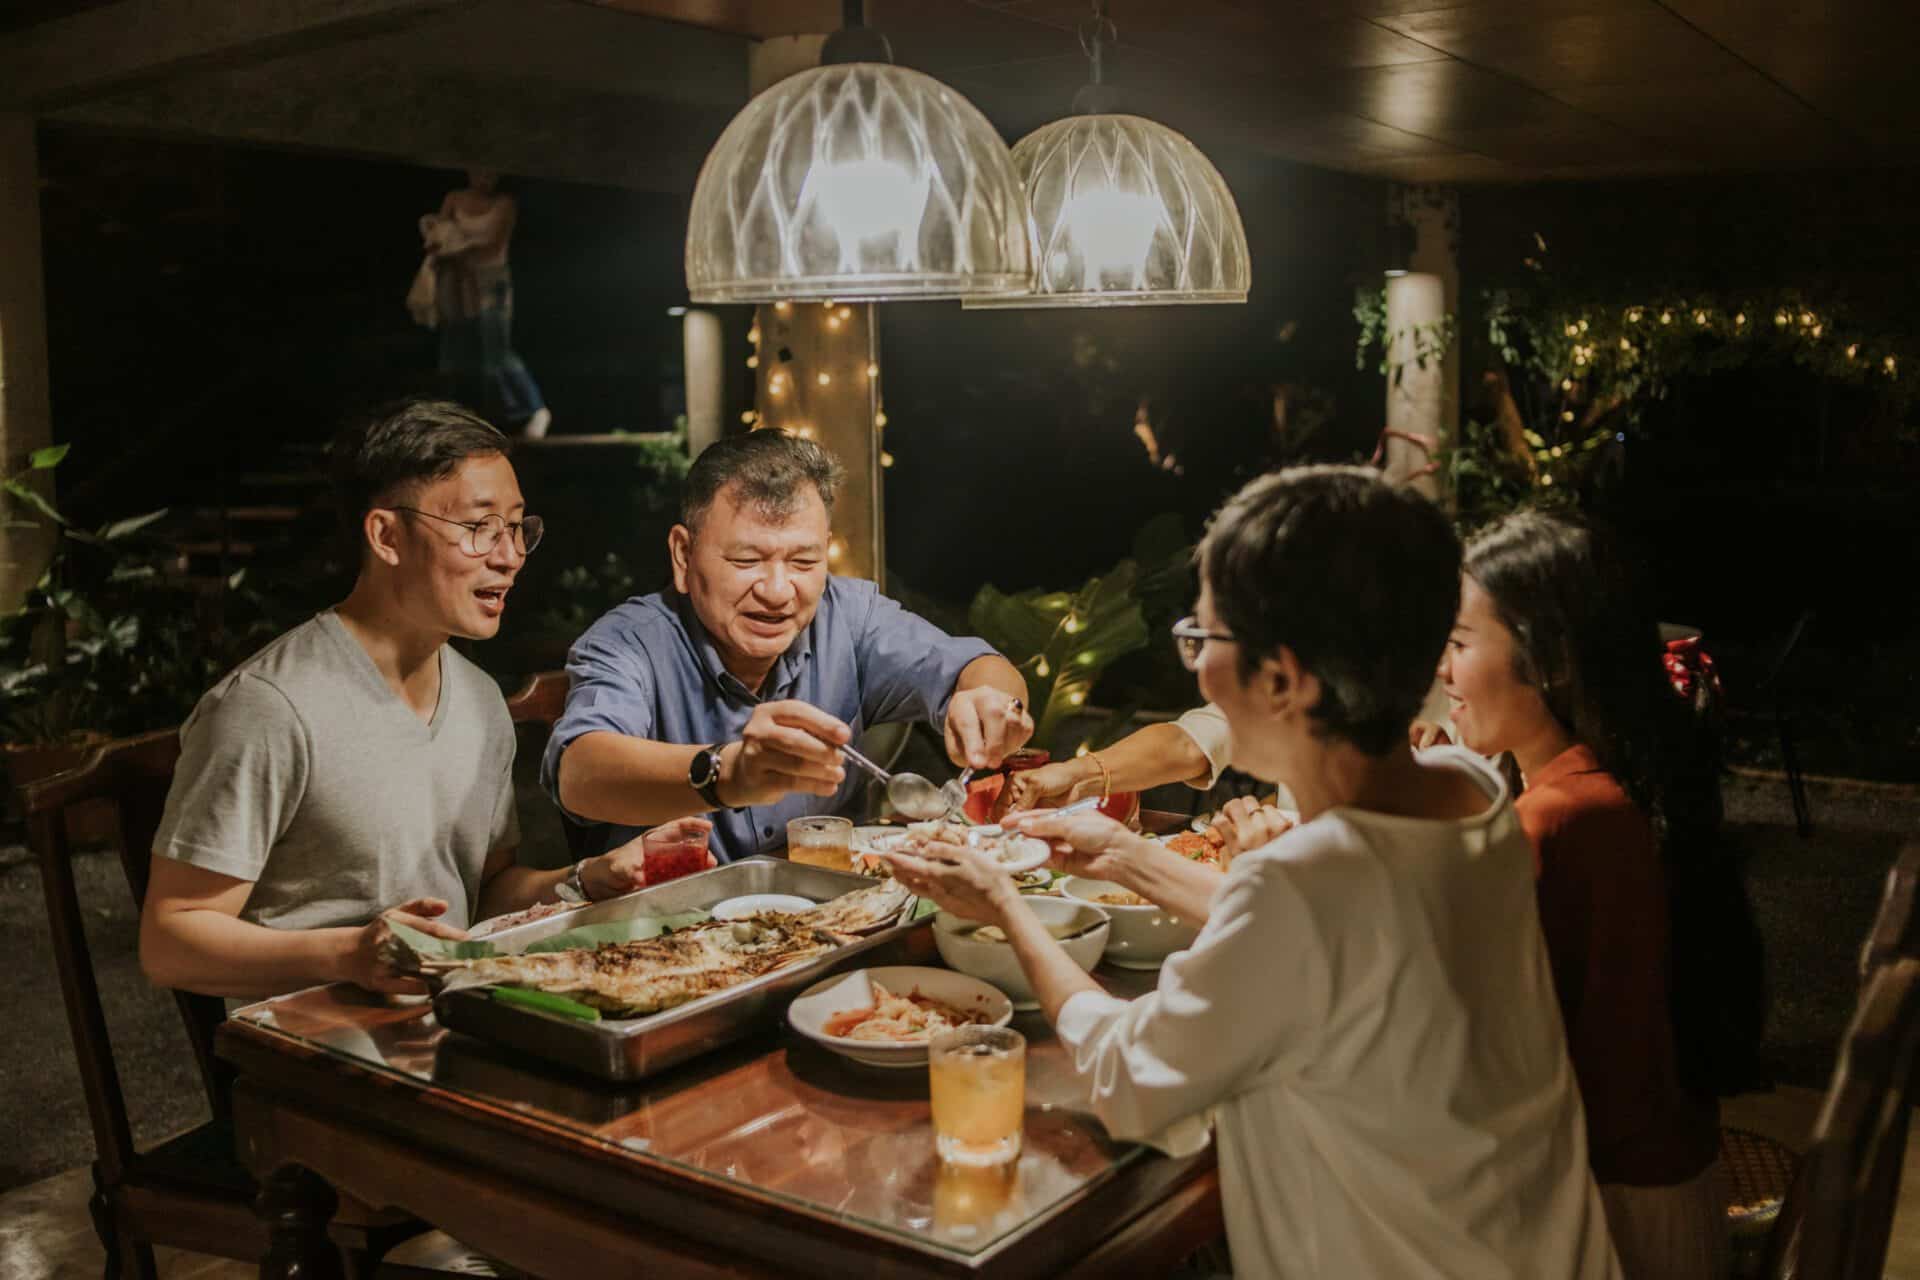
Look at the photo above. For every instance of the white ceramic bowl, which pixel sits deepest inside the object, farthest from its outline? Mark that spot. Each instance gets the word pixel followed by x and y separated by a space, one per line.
pixel 1142 936
pixel 995 962
pixel 754 903
pixel 810 1010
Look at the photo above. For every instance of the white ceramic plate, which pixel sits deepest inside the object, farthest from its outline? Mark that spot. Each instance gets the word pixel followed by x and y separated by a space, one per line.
pixel 754 903
pixel 810 1010
pixel 1024 853
pixel 1031 854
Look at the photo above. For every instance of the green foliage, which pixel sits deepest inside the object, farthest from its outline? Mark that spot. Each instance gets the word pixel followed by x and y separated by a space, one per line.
pixel 1063 641
pixel 663 460
pixel 584 593
pixel 110 641
pixel 1427 343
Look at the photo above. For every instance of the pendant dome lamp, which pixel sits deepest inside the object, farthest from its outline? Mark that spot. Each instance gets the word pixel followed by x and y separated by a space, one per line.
pixel 857 180
pixel 1126 212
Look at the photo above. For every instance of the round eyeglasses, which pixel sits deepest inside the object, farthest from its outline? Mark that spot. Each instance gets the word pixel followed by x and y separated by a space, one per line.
pixel 485 533
pixel 1189 638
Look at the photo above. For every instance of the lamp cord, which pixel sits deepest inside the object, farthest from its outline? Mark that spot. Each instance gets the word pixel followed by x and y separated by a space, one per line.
pixel 1096 33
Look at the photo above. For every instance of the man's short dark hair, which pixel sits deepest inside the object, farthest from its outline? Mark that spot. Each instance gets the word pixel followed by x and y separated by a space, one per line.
pixel 1360 579
pixel 399 448
pixel 768 466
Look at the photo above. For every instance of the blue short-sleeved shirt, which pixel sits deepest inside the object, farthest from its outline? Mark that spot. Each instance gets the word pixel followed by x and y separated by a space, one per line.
pixel 649 669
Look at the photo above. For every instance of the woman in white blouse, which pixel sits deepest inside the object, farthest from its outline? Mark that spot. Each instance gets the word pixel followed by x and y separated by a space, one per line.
pixel 1367 1016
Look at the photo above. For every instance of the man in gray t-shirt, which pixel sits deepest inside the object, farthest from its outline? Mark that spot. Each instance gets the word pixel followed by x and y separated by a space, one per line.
pixel 358 769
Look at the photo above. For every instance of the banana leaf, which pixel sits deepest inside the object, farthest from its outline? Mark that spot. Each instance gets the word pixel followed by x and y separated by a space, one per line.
pixel 638 929
pixel 426 944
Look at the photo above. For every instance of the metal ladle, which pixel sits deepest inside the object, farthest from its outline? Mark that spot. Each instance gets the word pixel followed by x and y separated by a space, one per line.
pixel 909 793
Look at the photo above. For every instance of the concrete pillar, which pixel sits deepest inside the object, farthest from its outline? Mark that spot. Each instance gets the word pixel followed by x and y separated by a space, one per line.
pixel 26 414
pixel 1423 402
pixel 818 375
pixel 704 358
pixel 818 370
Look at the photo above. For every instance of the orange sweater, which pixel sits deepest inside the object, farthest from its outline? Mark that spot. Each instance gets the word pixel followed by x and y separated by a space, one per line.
pixel 1603 908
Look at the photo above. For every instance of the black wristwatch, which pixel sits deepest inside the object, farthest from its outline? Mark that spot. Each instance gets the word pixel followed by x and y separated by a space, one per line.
pixel 703 775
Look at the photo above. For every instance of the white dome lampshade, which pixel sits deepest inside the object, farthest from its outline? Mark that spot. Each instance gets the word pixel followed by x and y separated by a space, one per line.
pixel 1126 212
pixel 857 181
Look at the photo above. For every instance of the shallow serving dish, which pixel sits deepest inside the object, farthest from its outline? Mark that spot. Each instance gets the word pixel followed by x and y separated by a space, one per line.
pixel 808 1014
pixel 1142 936
pixel 632 1048
pixel 1082 928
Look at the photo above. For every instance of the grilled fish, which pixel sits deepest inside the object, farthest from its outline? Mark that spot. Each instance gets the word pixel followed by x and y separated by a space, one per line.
pixel 639 978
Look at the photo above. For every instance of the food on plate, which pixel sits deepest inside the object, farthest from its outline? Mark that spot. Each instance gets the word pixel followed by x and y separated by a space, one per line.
pixel 1200 846
pixel 637 978
pixel 1010 849
pixel 1121 898
pixel 901 1019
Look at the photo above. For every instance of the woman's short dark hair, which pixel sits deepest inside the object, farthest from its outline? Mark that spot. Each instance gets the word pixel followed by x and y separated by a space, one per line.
pixel 769 467
pixel 1360 579
pixel 400 447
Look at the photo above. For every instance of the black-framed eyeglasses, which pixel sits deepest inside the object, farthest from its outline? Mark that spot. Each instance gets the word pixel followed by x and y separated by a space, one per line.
pixel 1189 638
pixel 485 533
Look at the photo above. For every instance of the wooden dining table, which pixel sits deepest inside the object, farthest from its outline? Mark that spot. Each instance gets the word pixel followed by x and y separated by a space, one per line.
pixel 770 1156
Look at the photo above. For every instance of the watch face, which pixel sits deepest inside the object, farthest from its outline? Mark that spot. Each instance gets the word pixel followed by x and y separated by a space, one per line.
pixel 704 766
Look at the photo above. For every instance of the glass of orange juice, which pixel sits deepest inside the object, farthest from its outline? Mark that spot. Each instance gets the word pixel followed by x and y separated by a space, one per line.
pixel 821 842
pixel 978 1080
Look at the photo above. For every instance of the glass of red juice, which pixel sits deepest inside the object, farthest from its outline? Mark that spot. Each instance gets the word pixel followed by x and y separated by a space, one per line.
pixel 675 849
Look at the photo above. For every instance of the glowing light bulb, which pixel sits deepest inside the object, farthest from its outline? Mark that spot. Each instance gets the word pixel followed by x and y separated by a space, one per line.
pixel 1666 317
pixel 886 459
pixel 1043 670
pixel 1573 331
pixel 879 419
pixel 753 334
pixel 783 307
pixel 833 549
pixel 825 379
pixel 748 416
pixel 1112 231
pixel 833 322
pixel 753 362
pixel 804 432
pixel 873 369
pixel 1853 350
pixel 846 313
pixel 1547 480
pixel 867 200
pixel 1740 320
pixel 1077 697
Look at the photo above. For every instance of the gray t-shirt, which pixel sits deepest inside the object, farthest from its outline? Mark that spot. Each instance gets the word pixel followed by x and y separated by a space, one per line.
pixel 303 772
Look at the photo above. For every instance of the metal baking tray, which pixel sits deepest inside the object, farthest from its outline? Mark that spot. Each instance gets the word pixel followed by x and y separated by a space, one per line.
pixel 633 1048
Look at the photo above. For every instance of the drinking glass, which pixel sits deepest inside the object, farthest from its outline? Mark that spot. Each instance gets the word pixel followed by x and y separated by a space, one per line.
pixel 821 842
pixel 674 850
pixel 977 1077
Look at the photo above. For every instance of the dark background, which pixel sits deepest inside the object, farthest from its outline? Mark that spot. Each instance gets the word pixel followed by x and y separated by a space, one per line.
pixel 215 310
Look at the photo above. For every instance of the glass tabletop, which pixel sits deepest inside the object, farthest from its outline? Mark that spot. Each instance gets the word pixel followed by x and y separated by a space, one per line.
pixel 774 1116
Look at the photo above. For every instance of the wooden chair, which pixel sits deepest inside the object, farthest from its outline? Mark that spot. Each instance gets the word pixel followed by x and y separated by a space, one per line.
pixel 189 1192
pixel 1839 1212
pixel 539 702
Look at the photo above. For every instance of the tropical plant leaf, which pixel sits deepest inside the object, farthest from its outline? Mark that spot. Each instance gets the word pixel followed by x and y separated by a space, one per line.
pixel 132 524
pixel 48 458
pixel 32 499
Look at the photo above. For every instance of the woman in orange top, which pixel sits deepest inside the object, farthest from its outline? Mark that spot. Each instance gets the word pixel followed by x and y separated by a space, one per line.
pixel 1552 662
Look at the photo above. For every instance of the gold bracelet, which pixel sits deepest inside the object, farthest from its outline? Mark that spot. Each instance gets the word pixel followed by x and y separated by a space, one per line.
pixel 1106 775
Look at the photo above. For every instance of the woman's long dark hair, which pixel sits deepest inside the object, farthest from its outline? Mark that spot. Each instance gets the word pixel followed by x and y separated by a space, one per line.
pixel 1585 639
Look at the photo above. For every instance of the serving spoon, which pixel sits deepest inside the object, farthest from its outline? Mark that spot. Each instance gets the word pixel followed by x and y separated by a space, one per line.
pixel 910 794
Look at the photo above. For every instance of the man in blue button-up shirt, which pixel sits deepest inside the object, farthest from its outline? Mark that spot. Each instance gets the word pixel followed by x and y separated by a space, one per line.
pixel 732 694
